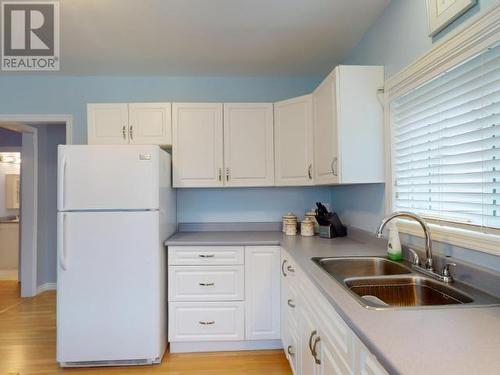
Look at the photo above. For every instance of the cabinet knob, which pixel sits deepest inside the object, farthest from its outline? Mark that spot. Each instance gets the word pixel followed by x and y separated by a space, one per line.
pixel 124 132
pixel 290 350
pixel 131 132
pixel 290 303
pixel 227 174
pixel 220 174
pixel 309 171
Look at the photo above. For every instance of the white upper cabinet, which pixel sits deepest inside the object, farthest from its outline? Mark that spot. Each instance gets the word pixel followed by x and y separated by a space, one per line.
pixel 293 144
pixel 348 126
pixel 197 151
pixel 135 123
pixel 325 131
pixel 150 123
pixel 107 124
pixel 248 144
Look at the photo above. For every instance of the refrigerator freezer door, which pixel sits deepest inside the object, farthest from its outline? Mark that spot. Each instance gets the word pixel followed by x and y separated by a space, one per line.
pixel 102 177
pixel 110 287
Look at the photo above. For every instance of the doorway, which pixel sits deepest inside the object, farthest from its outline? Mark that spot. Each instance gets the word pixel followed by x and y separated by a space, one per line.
pixel 10 167
pixel 35 216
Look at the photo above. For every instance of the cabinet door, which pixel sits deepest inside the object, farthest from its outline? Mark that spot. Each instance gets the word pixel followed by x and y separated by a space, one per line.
pixel 332 362
pixel 197 145
pixel 206 321
pixel 107 124
pixel 365 362
pixel 262 292
pixel 293 131
pixel 292 352
pixel 284 287
pixel 326 158
pixel 307 326
pixel 248 144
pixel 150 123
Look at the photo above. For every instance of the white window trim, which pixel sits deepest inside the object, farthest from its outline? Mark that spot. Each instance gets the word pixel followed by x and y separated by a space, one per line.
pixel 463 43
pixel 454 235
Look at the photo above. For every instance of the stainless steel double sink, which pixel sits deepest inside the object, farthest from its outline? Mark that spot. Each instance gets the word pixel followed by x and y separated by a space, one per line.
pixel 380 283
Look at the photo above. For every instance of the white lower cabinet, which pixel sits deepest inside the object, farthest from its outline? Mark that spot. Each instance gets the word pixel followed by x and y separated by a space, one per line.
pixel 292 351
pixel 206 283
pixel 368 364
pixel 325 345
pixel 289 314
pixel 228 295
pixel 206 321
pixel 308 332
pixel 332 361
pixel 262 291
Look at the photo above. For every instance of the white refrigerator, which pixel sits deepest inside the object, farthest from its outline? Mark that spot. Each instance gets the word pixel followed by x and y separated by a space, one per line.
pixel 116 206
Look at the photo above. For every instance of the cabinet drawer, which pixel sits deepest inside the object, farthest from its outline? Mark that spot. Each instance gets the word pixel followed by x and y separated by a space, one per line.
pixel 334 326
pixel 206 321
pixel 289 271
pixel 205 255
pixel 292 351
pixel 205 283
pixel 290 305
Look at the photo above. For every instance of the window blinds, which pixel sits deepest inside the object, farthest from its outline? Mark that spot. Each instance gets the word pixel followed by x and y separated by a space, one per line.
pixel 446 144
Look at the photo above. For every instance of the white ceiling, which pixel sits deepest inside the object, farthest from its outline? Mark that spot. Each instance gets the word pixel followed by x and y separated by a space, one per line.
pixel 211 37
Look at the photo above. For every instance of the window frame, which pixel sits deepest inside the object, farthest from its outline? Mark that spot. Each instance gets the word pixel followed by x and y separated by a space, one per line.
pixel 473 37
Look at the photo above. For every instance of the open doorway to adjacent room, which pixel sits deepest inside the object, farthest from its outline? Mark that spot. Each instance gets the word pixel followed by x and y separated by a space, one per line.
pixel 28 203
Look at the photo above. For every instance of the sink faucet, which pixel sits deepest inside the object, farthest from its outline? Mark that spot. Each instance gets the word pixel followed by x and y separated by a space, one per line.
pixel 429 263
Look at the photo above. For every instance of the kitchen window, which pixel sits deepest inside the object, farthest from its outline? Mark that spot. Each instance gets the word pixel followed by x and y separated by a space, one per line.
pixel 446 145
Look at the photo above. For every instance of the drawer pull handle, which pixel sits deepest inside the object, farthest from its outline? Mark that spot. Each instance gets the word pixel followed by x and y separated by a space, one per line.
pixel 313 333
pixel 290 303
pixel 206 255
pixel 206 284
pixel 206 323
pixel 290 269
pixel 283 267
pixel 314 351
pixel 290 350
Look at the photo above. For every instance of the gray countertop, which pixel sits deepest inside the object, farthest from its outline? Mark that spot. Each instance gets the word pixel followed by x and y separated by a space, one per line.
pixel 428 341
pixel 225 238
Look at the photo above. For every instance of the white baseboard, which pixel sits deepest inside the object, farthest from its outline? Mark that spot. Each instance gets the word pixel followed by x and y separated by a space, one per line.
pixel 44 287
pixel 9 274
pixel 223 346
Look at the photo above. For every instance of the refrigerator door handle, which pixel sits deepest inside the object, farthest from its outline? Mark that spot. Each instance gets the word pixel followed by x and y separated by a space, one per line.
pixel 63 260
pixel 62 184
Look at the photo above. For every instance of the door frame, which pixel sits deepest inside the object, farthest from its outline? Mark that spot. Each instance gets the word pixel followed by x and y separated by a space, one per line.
pixel 28 244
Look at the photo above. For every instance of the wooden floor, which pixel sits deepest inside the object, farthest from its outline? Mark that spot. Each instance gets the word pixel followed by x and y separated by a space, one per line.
pixel 28 346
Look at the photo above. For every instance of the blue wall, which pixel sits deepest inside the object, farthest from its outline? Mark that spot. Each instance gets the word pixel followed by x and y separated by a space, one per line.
pixel 43 94
pixel 247 204
pixel 9 138
pixel 400 35
pixel 395 40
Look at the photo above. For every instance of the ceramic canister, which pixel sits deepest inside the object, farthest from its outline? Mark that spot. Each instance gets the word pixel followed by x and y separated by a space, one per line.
pixel 307 227
pixel 312 214
pixel 289 219
pixel 291 229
